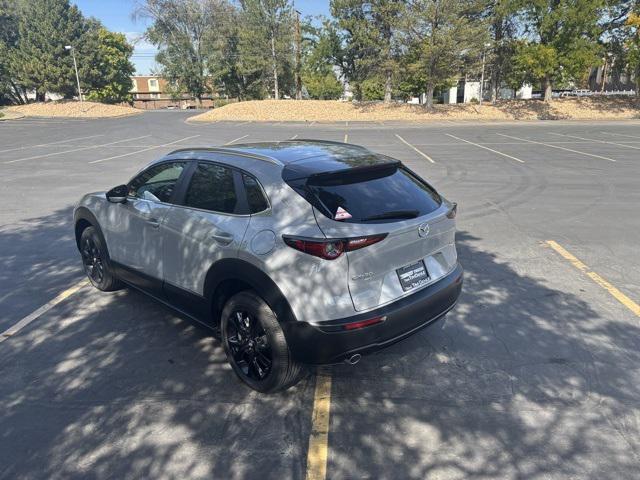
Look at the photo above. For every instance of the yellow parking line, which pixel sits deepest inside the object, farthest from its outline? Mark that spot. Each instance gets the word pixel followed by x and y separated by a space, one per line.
pixel 617 294
pixel 12 330
pixel 411 146
pixel 319 439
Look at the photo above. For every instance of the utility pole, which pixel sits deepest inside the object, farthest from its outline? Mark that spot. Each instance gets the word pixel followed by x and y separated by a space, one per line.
pixel 298 57
pixel 75 66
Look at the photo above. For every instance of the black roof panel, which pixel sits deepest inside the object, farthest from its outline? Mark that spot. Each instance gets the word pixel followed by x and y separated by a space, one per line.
pixel 307 157
pixel 295 150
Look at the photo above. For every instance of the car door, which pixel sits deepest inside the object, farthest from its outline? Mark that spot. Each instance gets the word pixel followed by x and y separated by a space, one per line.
pixel 133 233
pixel 208 225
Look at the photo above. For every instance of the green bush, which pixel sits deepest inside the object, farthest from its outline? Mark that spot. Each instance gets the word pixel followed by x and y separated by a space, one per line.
pixel 323 87
pixel 372 89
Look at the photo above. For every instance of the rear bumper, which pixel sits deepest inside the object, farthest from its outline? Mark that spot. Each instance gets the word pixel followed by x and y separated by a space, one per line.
pixel 326 343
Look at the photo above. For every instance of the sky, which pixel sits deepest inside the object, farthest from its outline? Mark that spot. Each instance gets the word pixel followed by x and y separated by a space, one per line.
pixel 116 16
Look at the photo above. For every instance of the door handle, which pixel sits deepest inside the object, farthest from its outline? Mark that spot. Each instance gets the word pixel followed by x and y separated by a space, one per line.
pixel 153 222
pixel 222 237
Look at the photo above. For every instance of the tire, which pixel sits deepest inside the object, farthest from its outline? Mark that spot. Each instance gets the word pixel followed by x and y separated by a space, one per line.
pixel 251 334
pixel 95 261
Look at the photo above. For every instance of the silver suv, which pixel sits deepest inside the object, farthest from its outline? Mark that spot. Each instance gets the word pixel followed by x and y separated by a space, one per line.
pixel 298 253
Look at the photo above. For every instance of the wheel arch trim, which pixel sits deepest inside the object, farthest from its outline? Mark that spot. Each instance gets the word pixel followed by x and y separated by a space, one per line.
pixel 241 270
pixel 84 214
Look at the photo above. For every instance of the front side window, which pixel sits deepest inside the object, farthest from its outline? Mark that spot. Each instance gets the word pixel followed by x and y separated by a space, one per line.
pixel 157 183
pixel 212 188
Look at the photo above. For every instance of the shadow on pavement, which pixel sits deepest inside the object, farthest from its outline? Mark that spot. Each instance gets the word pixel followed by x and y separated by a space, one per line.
pixel 522 381
pixel 39 259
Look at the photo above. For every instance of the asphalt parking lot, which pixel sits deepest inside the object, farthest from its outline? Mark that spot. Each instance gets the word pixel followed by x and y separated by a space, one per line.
pixel 535 374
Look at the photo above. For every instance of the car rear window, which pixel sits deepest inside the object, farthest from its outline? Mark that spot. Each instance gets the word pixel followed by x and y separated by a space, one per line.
pixel 381 195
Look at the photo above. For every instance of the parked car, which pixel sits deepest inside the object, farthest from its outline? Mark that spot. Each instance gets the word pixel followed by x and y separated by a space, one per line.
pixel 301 252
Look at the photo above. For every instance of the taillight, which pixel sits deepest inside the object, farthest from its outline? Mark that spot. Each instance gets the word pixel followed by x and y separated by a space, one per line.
pixel 453 211
pixel 331 248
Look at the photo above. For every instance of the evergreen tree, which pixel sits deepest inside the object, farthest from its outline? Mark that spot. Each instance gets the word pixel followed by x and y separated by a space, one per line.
pixel 444 38
pixel 266 42
pixel 40 61
pixel 633 46
pixel 320 45
pixel 371 37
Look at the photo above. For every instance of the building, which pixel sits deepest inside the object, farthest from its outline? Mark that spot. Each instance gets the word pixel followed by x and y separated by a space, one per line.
pixel 153 91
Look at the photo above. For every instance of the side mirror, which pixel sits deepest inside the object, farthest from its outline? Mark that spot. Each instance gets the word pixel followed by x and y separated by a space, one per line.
pixel 118 194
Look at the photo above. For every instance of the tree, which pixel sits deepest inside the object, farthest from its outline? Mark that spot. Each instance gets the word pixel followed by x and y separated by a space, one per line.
pixel 266 40
pixel 185 32
pixel 564 40
pixel 501 16
pixel 39 60
pixel 372 38
pixel 444 38
pixel 318 71
pixel 633 47
pixel 9 91
pixel 226 66
pixel 106 69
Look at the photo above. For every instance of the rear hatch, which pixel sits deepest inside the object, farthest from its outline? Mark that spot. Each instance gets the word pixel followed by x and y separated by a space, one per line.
pixel 384 198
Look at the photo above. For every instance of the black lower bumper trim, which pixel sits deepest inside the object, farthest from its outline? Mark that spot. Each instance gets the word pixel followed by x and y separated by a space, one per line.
pixel 310 344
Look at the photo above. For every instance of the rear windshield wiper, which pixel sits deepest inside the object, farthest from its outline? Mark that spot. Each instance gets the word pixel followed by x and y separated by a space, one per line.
pixel 393 214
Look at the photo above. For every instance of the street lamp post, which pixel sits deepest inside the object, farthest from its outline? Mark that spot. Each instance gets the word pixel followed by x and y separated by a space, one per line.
pixel 75 66
pixel 484 51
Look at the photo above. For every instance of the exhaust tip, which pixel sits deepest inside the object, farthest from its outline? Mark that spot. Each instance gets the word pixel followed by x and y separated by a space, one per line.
pixel 353 359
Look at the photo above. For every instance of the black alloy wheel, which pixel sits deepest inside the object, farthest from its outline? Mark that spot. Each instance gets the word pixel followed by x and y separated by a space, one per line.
pixel 95 261
pixel 92 259
pixel 249 345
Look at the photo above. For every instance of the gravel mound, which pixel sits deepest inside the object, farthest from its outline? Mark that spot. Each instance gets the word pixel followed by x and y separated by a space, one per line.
pixel 335 111
pixel 73 109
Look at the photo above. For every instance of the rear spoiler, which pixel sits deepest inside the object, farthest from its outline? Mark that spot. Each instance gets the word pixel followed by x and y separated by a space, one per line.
pixel 353 175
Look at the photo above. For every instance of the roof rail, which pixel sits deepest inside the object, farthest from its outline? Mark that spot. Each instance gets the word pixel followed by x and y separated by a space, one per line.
pixel 230 151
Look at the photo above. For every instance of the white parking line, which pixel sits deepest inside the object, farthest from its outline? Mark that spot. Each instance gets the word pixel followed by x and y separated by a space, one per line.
pixel 595 140
pixel 294 137
pixel 486 148
pixel 558 147
pixel 15 328
pixel 44 155
pixel 411 146
pixel 68 140
pixel 346 138
pixel 243 123
pixel 236 139
pixel 143 150
pixel 622 135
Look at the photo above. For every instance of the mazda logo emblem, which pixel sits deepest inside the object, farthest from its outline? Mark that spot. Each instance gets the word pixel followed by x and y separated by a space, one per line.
pixel 423 230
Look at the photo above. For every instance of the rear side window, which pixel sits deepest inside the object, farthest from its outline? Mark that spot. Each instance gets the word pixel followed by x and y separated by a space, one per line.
pixel 212 188
pixel 388 195
pixel 255 197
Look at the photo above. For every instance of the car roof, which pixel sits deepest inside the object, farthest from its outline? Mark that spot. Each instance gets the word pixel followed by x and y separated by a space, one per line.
pixel 305 157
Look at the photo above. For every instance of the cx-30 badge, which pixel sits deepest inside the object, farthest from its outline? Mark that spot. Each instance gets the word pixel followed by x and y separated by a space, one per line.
pixel 423 230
